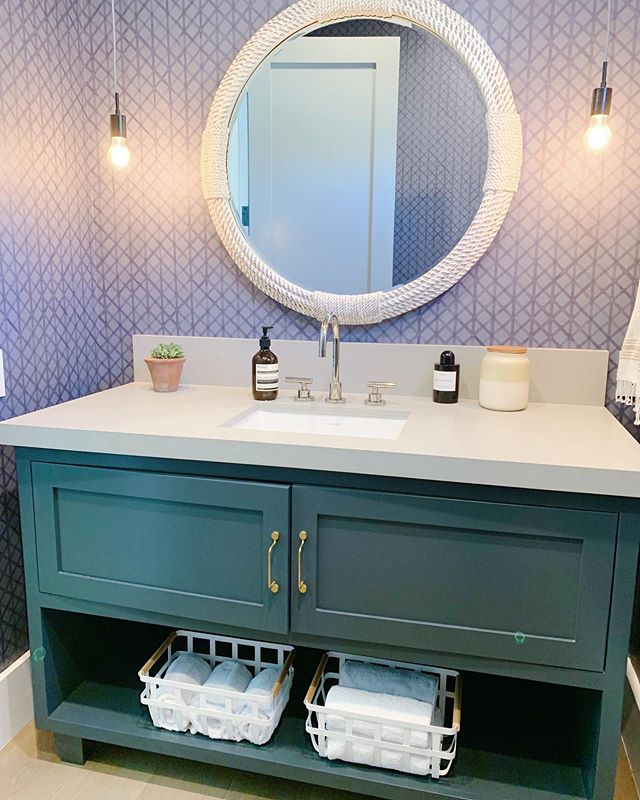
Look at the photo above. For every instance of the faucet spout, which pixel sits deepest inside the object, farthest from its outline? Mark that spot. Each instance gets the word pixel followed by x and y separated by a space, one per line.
pixel 335 387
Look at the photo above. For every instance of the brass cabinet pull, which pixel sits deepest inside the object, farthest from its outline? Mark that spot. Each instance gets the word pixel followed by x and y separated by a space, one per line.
pixel 302 586
pixel 274 586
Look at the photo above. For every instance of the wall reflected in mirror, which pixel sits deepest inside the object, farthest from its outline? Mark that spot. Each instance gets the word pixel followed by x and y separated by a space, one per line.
pixel 357 156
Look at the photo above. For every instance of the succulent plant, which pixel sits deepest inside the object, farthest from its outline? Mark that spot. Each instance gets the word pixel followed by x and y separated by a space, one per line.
pixel 170 350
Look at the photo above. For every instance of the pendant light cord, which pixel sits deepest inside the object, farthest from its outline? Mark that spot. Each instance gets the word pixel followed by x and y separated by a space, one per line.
pixel 113 31
pixel 606 41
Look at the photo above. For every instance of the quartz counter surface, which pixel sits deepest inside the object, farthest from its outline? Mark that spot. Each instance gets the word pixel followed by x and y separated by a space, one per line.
pixel 550 447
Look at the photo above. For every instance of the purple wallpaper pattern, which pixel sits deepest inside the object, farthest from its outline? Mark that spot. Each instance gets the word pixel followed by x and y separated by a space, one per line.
pixel 48 290
pixel 562 272
pixel 88 257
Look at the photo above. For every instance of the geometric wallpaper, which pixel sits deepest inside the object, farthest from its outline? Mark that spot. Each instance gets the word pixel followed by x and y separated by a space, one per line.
pixel 49 328
pixel 562 272
pixel 88 256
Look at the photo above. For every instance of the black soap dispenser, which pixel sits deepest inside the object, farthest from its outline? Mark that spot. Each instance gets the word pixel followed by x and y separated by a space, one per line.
pixel 264 369
pixel 446 379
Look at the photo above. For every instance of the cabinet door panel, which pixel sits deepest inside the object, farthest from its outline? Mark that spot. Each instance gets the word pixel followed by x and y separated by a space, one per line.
pixel 188 546
pixel 502 581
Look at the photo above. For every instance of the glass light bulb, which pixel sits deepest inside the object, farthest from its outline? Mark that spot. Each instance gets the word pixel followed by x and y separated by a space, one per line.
pixel 598 135
pixel 119 154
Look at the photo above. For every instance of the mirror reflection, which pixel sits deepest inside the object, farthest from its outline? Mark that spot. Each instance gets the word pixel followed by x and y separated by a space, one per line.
pixel 357 156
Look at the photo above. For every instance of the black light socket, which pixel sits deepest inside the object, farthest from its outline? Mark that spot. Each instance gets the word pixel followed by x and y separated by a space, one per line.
pixel 118 121
pixel 601 96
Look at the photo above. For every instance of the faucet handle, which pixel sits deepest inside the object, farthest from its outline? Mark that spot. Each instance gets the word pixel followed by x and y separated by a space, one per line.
pixel 303 392
pixel 375 395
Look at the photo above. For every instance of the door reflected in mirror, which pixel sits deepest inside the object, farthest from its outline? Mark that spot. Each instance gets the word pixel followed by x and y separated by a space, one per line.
pixel 357 156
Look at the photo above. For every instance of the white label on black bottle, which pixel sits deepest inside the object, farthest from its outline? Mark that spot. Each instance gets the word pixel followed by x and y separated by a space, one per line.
pixel 444 381
pixel 266 377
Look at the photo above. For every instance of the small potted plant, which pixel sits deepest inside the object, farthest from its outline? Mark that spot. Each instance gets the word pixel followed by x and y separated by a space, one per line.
pixel 165 365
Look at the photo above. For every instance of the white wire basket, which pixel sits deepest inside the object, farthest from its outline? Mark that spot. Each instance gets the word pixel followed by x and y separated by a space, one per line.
pixel 217 713
pixel 438 740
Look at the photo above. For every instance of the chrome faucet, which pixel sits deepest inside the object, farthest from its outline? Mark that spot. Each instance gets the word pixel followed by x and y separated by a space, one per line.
pixel 335 387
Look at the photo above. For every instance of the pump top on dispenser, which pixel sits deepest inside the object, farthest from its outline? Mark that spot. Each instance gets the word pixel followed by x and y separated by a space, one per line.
pixel 265 341
pixel 264 369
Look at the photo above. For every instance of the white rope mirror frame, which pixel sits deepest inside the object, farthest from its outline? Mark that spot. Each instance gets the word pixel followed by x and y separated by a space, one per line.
pixel 504 159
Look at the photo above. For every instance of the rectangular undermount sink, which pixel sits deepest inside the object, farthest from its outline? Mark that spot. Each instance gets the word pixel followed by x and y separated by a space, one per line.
pixel 372 424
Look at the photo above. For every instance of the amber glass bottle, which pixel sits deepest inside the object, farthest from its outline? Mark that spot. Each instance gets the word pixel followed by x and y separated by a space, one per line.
pixel 264 369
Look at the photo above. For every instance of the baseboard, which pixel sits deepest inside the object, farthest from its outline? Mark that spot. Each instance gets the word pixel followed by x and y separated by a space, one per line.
pixel 16 699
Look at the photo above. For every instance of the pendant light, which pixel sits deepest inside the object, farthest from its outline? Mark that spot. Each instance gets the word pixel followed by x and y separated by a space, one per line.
pixel 118 154
pixel 598 135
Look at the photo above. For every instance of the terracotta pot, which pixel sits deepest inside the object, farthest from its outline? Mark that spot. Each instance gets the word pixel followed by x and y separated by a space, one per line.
pixel 165 373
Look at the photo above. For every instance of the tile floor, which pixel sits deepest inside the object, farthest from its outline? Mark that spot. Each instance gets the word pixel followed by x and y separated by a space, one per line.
pixel 29 770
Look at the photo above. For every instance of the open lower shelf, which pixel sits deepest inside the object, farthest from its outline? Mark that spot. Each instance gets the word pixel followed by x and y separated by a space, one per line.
pixel 110 713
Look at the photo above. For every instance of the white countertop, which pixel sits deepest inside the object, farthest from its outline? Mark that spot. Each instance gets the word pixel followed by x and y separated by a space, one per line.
pixel 554 447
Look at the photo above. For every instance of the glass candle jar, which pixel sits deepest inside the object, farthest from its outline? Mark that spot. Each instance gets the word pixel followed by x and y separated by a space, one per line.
pixel 504 379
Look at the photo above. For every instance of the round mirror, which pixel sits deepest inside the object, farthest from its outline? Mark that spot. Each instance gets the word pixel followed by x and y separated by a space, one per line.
pixel 364 163
pixel 357 156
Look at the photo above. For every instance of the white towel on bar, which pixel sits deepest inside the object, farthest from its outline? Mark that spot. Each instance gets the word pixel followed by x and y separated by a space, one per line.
pixel 628 382
pixel 389 680
pixel 342 702
pixel 364 754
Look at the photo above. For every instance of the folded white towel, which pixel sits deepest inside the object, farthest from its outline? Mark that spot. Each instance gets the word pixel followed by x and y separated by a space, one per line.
pixel 364 754
pixel 628 379
pixel 262 686
pixel 343 701
pixel 230 676
pixel 389 680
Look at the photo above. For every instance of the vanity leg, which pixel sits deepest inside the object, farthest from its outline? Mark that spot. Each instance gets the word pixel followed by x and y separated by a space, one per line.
pixel 72 749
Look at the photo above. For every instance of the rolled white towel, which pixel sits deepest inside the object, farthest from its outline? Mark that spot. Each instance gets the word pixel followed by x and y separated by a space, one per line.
pixel 343 701
pixel 188 668
pixel 184 668
pixel 229 676
pixel 232 676
pixel 364 754
pixel 389 680
pixel 262 686
pixel 171 719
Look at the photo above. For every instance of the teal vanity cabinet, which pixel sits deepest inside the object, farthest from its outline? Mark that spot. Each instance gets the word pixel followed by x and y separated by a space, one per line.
pixel 528 593
pixel 459 576
pixel 191 546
